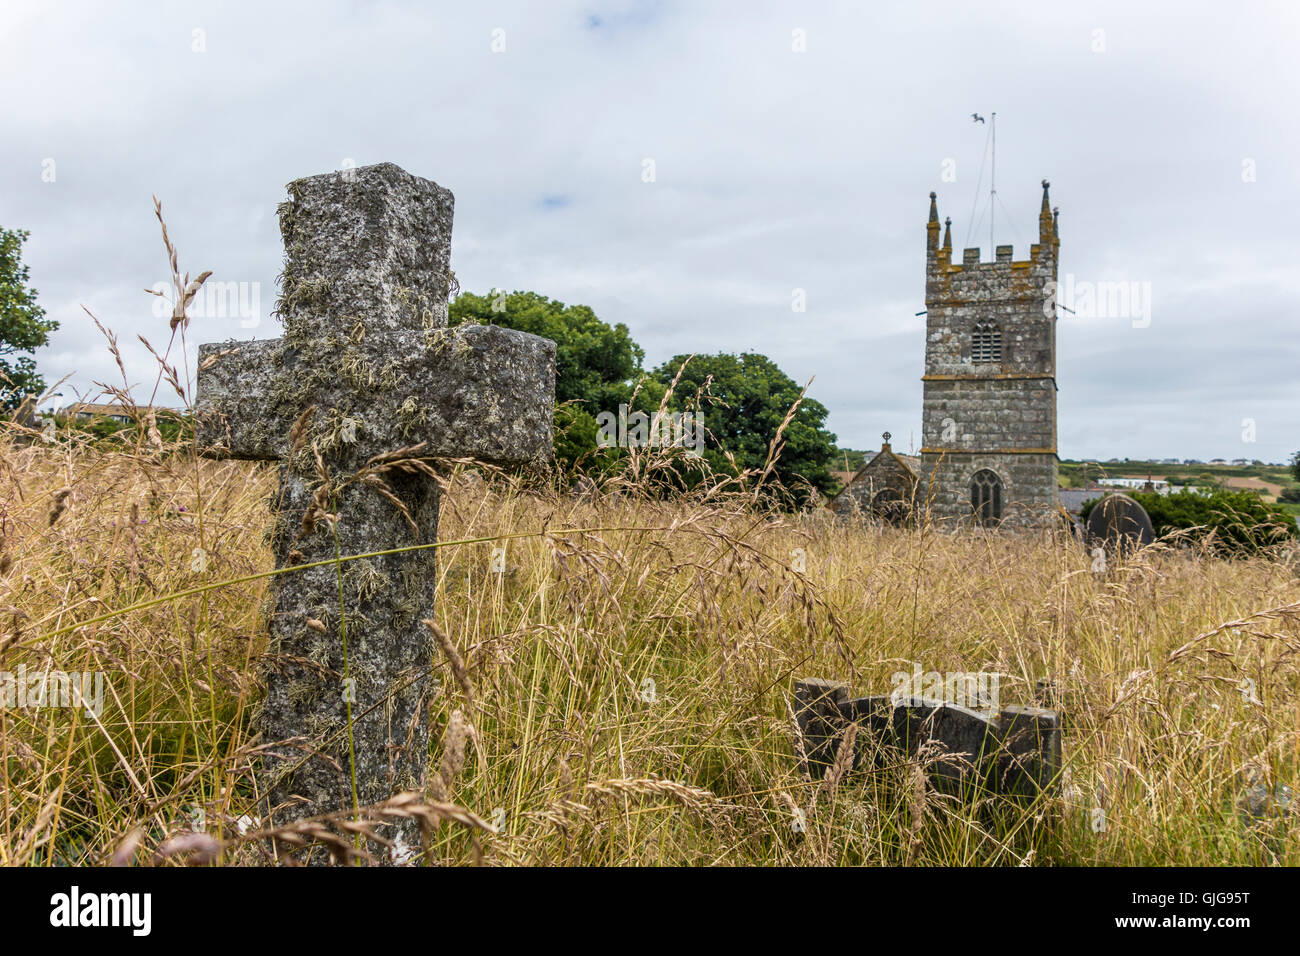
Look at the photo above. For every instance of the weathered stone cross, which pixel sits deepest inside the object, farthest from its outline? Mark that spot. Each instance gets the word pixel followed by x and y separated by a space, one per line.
pixel 366 347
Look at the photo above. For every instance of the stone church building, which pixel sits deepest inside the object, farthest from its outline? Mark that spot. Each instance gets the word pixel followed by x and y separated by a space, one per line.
pixel 988 451
pixel 885 487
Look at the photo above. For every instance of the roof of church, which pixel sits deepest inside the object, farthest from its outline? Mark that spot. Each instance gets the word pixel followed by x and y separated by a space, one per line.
pixel 909 462
pixel 1072 499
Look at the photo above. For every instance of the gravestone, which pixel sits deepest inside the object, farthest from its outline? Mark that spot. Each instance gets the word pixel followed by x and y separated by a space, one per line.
pixel 584 489
pixel 366 374
pixel 1117 521
pixel 1014 751
pixel 25 415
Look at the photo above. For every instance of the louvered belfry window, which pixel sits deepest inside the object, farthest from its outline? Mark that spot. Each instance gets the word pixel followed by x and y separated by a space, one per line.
pixel 986 344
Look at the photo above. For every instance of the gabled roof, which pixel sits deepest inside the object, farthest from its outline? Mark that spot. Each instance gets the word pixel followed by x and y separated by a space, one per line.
pixel 909 463
pixel 1072 499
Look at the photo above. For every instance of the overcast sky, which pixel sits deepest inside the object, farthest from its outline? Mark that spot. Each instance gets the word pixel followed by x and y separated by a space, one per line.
pixel 1170 133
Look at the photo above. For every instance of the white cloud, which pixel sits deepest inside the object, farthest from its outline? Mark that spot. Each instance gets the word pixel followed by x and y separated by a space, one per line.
pixel 775 170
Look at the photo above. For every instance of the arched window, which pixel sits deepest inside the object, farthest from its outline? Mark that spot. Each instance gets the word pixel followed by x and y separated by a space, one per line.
pixel 890 505
pixel 986 497
pixel 986 344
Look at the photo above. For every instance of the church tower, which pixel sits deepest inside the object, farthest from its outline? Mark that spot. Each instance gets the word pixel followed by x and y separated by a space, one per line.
pixel 989 414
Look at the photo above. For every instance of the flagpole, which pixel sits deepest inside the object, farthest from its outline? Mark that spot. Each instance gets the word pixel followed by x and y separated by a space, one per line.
pixel 993 183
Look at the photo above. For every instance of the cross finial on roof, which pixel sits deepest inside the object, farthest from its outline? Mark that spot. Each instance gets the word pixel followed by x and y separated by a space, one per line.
pixel 886 436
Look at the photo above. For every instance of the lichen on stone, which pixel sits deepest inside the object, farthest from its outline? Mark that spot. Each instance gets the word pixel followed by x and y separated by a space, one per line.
pixel 301 293
pixel 363 305
pixel 363 580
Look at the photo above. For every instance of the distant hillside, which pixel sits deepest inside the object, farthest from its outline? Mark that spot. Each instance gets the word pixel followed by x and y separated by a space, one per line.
pixel 1269 481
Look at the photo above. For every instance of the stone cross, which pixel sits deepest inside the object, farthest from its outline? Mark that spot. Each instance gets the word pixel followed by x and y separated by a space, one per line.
pixel 366 367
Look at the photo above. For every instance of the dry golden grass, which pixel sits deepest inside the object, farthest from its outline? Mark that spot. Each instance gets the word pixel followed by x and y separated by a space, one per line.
pixel 620 694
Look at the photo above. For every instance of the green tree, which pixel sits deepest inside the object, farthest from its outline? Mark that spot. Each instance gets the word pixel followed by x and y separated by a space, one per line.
pixel 750 397
pixel 847 459
pixel 597 365
pixel 173 427
pixel 23 326
pixel 1295 466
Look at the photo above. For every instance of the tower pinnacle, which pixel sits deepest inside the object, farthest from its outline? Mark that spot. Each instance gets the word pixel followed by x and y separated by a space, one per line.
pixel 932 227
pixel 1046 223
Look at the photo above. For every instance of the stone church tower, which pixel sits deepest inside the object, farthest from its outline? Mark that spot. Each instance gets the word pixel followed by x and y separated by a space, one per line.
pixel 989 414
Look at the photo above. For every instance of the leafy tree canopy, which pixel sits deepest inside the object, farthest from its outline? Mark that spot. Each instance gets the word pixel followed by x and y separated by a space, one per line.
pixel 23 326
pixel 597 365
pixel 746 400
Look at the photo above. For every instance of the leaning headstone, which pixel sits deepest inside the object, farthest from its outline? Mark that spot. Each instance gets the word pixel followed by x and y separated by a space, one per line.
pixel 1013 751
pixel 25 415
pixel 584 489
pixel 1260 803
pixel 819 708
pixel 1117 521
pixel 367 375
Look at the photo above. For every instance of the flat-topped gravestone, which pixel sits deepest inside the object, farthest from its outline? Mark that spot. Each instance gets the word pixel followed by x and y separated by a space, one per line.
pixel 1117 521
pixel 1013 751
pixel 366 367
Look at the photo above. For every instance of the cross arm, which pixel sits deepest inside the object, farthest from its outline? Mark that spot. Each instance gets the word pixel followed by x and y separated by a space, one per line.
pixel 472 391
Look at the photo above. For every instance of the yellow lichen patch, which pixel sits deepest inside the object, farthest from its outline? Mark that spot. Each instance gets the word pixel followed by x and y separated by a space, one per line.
pixel 411 413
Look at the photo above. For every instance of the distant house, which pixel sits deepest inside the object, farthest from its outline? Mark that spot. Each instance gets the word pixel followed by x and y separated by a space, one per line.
pixel 842 478
pixel 1072 499
pixel 89 411
pixel 1138 484
pixel 1218 461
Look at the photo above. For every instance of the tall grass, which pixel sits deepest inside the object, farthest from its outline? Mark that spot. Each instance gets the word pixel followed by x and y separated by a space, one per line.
pixel 619 693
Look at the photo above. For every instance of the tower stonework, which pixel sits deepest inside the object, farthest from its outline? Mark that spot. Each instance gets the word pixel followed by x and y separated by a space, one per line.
pixel 989 412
